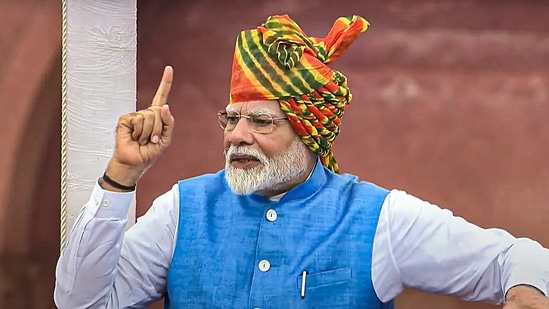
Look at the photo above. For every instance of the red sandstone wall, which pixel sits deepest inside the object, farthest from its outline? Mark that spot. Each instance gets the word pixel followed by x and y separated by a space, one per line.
pixel 450 101
pixel 30 36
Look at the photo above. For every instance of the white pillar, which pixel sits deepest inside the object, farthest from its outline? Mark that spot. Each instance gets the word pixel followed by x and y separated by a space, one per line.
pixel 99 85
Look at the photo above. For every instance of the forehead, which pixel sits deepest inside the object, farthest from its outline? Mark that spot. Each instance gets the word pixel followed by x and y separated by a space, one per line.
pixel 267 106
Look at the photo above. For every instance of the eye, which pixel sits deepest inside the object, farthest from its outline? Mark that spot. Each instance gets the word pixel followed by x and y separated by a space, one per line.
pixel 262 120
pixel 232 118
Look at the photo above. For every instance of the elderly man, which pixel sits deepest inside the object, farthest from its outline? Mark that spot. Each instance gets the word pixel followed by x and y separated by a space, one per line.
pixel 279 227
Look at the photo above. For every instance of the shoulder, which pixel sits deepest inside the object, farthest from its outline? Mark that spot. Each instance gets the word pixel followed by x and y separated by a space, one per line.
pixel 353 185
pixel 203 187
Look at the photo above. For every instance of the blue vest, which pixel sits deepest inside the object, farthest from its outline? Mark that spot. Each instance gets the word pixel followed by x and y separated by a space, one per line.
pixel 234 252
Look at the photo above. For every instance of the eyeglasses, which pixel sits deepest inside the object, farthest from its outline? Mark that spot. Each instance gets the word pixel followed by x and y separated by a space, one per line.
pixel 258 123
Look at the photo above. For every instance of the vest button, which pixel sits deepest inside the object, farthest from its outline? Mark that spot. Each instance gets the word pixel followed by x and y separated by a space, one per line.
pixel 271 215
pixel 264 265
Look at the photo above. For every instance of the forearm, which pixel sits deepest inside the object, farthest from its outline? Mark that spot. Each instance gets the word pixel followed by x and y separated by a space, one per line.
pixel 439 253
pixel 86 269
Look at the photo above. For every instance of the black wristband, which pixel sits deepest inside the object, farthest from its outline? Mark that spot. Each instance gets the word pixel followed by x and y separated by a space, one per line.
pixel 116 184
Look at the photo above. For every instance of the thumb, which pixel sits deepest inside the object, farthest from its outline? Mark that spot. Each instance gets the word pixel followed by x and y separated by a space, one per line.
pixel 168 120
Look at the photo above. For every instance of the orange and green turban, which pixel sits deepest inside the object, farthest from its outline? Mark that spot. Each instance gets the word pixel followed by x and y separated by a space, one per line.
pixel 278 61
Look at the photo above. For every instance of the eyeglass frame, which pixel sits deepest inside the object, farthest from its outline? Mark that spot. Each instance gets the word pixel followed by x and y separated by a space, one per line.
pixel 274 120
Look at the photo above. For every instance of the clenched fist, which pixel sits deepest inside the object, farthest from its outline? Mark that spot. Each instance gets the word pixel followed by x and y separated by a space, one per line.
pixel 141 137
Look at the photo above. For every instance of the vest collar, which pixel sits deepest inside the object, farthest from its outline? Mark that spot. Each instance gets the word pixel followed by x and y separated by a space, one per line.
pixel 314 182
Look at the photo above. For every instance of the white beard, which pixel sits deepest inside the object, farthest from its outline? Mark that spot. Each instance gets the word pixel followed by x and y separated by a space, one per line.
pixel 271 174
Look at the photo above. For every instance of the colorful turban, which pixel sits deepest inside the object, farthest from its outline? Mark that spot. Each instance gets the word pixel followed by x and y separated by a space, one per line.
pixel 278 61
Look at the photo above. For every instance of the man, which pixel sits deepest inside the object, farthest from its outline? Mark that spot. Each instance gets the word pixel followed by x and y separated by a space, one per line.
pixel 279 227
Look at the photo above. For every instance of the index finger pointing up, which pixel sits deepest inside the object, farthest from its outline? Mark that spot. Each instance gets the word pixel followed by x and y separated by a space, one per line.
pixel 163 91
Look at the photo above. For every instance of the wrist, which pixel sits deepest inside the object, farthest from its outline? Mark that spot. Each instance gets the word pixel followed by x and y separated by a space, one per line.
pixel 107 181
pixel 119 174
pixel 109 187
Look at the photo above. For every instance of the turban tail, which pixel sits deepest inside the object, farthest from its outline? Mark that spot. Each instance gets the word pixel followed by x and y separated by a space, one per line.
pixel 277 61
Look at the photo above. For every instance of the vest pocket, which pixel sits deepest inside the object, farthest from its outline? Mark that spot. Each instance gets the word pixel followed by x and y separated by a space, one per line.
pixel 323 290
pixel 324 278
pixel 326 289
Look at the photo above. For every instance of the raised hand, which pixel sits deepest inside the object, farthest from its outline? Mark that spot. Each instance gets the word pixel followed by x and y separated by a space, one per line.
pixel 142 136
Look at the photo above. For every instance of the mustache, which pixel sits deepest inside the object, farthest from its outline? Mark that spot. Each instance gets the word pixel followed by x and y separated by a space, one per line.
pixel 245 151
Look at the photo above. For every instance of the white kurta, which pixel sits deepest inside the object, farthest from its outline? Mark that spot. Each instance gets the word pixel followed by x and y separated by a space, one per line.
pixel 416 245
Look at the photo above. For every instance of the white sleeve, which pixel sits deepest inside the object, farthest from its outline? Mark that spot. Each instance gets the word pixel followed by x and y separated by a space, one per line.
pixel 103 267
pixel 419 245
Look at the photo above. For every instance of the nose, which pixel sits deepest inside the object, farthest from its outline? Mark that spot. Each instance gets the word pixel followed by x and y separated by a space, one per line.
pixel 241 134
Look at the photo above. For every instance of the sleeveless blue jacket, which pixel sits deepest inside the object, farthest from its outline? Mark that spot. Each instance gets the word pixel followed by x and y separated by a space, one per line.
pixel 249 252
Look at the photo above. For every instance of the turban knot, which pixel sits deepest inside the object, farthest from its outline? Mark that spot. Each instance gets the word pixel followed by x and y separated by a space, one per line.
pixel 278 61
